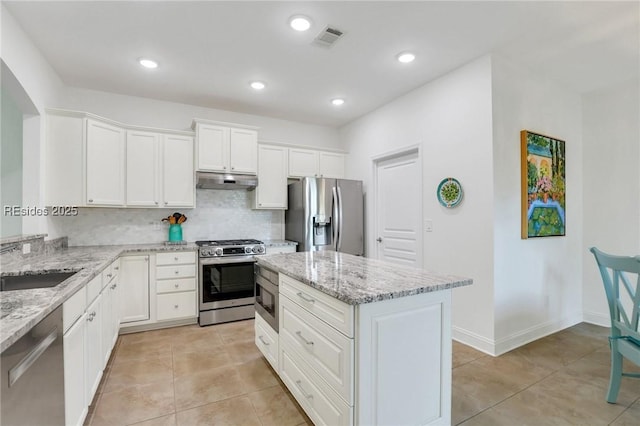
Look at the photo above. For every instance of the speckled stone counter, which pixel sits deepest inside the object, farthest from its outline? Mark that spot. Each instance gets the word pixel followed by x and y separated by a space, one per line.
pixel 20 310
pixel 356 280
pixel 279 243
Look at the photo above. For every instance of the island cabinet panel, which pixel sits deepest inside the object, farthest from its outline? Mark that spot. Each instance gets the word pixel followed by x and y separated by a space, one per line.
pixel 332 311
pixel 404 360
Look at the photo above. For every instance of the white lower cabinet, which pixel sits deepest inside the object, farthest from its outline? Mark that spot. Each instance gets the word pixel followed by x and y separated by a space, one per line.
pixel 380 363
pixel 176 296
pixel 94 360
pixel 134 283
pixel 75 406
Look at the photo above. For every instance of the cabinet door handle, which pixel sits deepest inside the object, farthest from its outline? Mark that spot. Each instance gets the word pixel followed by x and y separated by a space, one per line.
pixel 308 342
pixel 90 200
pixel 109 275
pixel 175 258
pixel 302 296
pixel 263 341
pixel 304 393
pixel 117 268
pixel 175 306
pixel 176 285
pixel 113 287
pixel 156 203
pixel 177 272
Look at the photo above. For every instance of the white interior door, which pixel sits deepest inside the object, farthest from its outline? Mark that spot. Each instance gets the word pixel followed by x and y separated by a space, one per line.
pixel 399 209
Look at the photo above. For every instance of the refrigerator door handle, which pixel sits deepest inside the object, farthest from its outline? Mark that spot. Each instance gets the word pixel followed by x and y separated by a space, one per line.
pixel 336 218
pixel 340 216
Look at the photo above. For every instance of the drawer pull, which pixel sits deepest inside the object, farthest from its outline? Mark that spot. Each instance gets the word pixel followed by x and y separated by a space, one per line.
pixel 177 272
pixel 175 258
pixel 117 268
pixel 113 287
pixel 176 285
pixel 304 393
pixel 175 306
pixel 304 297
pixel 109 275
pixel 308 342
pixel 263 341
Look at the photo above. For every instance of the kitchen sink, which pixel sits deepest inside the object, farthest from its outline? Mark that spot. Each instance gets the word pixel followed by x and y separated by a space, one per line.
pixel 24 282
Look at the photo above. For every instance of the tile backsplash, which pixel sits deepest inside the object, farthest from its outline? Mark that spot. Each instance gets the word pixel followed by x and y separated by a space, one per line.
pixel 219 214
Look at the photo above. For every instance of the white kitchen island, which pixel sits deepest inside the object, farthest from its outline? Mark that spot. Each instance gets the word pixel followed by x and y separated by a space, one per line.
pixel 361 341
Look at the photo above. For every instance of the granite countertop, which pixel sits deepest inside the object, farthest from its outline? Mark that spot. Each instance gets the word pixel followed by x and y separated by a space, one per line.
pixel 279 243
pixel 20 310
pixel 356 280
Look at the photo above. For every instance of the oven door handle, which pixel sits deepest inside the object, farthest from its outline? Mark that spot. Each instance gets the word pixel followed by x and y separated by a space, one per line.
pixel 226 260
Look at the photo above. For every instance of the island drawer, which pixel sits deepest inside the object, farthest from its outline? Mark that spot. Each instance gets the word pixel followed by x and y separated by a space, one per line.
pixel 93 288
pixel 177 271
pixel 177 258
pixel 327 351
pixel 266 340
pixel 329 309
pixel 320 403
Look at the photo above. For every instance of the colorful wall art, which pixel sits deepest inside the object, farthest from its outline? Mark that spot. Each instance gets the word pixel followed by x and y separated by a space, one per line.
pixel 543 185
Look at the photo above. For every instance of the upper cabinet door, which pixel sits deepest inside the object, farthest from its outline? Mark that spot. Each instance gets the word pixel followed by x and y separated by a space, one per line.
pixel 143 161
pixel 177 171
pixel 303 162
pixel 331 165
pixel 105 164
pixel 243 148
pixel 271 192
pixel 213 148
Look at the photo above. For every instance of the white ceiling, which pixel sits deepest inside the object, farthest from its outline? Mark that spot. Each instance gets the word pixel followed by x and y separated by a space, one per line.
pixel 210 51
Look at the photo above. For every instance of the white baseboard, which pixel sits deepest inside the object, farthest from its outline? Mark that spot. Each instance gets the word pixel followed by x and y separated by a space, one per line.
pixel 535 332
pixel 472 339
pixel 596 318
pixel 515 340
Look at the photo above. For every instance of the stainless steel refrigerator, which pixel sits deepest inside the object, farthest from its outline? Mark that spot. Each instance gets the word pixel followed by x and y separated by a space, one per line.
pixel 326 214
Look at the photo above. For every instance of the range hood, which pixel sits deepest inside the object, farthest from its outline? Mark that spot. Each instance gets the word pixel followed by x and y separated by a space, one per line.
pixel 209 180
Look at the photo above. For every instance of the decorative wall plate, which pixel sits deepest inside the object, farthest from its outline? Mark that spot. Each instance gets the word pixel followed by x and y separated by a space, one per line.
pixel 449 192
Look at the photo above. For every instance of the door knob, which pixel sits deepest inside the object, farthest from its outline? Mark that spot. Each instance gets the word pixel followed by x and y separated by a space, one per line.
pixel 379 239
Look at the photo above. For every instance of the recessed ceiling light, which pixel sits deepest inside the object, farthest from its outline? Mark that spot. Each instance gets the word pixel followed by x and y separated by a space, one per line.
pixel 337 101
pixel 148 63
pixel 406 57
pixel 258 85
pixel 300 23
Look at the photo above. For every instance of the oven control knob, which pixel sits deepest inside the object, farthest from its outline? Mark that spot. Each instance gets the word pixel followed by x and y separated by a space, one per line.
pixel 258 249
pixel 205 252
pixel 218 251
pixel 247 250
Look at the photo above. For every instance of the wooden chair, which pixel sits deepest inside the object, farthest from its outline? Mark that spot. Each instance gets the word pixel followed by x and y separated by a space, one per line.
pixel 624 312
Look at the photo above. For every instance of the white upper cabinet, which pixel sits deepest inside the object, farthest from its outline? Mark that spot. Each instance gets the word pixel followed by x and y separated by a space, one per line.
pixel 178 176
pixel 64 185
pixel 213 148
pixel 105 162
pixel 271 192
pixel 303 162
pixel 143 161
pixel 243 151
pixel 309 162
pixel 331 164
pixel 226 149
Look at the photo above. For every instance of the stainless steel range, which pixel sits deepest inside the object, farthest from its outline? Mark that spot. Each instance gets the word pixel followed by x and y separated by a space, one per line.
pixel 227 279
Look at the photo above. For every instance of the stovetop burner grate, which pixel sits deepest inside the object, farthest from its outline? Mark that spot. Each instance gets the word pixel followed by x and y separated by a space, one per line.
pixel 212 243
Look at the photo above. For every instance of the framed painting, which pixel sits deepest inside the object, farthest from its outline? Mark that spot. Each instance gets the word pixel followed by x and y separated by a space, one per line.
pixel 543 185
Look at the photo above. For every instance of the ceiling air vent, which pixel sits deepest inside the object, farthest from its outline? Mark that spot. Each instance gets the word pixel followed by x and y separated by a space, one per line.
pixel 328 37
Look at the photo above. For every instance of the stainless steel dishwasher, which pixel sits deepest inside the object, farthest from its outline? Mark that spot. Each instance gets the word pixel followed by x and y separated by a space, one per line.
pixel 33 376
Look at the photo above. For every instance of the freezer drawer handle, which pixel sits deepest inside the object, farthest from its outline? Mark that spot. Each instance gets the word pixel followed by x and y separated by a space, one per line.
pixel 16 372
pixel 263 341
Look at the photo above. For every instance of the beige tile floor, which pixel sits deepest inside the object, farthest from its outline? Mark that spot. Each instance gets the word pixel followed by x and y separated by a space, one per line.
pixel 216 376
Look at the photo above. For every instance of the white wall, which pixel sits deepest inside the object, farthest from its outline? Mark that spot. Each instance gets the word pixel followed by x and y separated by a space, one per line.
pixel 43 87
pixel 219 214
pixel 171 115
pixel 538 282
pixel 611 134
pixel 450 119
